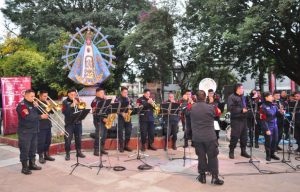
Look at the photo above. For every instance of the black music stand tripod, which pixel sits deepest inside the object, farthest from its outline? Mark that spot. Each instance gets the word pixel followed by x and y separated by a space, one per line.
pixel 253 111
pixel 79 116
pixel 169 109
pixel 138 154
pixel 101 108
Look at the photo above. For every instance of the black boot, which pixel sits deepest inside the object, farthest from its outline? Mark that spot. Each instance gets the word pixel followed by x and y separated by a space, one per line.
pixel 33 166
pixel 256 144
pixel 121 145
pixel 48 157
pixel 41 158
pixel 273 156
pixel 231 153
pixel 279 148
pixel 244 153
pixel 96 152
pixel 25 170
pixel 151 147
pixel 126 148
pixel 103 152
pixel 174 145
pixel 143 148
pixel 80 154
pixel 215 180
pixel 268 155
pixel 186 143
pixel 202 178
pixel 67 158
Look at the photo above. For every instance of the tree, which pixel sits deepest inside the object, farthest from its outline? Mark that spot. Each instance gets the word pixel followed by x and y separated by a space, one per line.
pixel 250 36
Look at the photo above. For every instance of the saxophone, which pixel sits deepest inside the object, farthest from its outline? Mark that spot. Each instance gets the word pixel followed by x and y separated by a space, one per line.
pixel 127 116
pixel 156 108
pixel 109 120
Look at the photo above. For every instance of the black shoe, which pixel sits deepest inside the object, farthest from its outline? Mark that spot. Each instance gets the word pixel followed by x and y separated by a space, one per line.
pixel 48 157
pixel 268 158
pixel 245 154
pixel 80 154
pixel 151 147
pixel 256 145
pixel 103 152
pixel 273 156
pixel 279 148
pixel 143 148
pixel 25 170
pixel 202 178
pixel 215 180
pixel 67 158
pixel 174 146
pixel 126 148
pixel 186 143
pixel 41 158
pixel 121 149
pixel 96 152
pixel 231 153
pixel 33 166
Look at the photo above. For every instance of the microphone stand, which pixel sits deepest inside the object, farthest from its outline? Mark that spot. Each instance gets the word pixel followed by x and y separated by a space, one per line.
pixel 253 111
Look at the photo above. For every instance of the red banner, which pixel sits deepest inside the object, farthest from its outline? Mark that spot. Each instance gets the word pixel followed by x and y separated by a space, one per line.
pixel 12 93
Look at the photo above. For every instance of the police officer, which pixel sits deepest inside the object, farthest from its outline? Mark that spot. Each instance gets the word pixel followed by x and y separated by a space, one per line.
pixel 28 129
pixel 122 124
pixel 236 105
pixel 205 139
pixel 44 136
pixel 282 123
pixel 268 115
pixel 186 103
pixel 173 123
pixel 99 122
pixel 146 120
pixel 72 128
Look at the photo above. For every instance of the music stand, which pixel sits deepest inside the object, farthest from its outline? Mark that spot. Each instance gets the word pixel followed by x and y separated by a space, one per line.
pixel 138 154
pixel 184 136
pixel 169 109
pixel 118 108
pixel 101 108
pixel 75 117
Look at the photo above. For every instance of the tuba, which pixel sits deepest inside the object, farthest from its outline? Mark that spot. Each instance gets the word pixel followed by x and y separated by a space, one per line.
pixel 206 84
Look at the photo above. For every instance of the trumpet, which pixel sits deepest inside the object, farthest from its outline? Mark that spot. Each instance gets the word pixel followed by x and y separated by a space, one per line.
pixel 80 105
pixel 45 109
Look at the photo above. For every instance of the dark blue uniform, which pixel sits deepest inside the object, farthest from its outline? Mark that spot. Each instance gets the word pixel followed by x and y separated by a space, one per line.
pixel 44 135
pixel 282 123
pixel 122 124
pixel 187 126
pixel 268 115
pixel 146 120
pixel 71 127
pixel 99 125
pixel 172 129
pixel 28 129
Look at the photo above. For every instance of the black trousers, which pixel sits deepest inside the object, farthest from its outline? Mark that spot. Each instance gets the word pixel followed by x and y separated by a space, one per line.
pixel 271 140
pixel 172 130
pixel 253 129
pixel 188 128
pixel 27 146
pixel 282 127
pixel 297 132
pixel 238 132
pixel 147 129
pixel 99 128
pixel 44 140
pixel 124 127
pixel 207 153
pixel 76 130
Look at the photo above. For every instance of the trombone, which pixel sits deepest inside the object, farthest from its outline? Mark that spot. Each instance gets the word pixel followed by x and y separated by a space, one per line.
pixel 81 105
pixel 45 109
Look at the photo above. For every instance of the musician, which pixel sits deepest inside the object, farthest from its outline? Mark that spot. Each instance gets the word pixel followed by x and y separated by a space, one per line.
pixel 214 100
pixel 186 103
pixel 99 121
pixel 205 139
pixel 282 123
pixel 44 135
pixel 28 129
pixel 146 120
pixel 283 96
pixel 122 124
pixel 296 109
pixel 173 124
pixel 253 103
pixel 236 105
pixel 268 115
pixel 72 128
